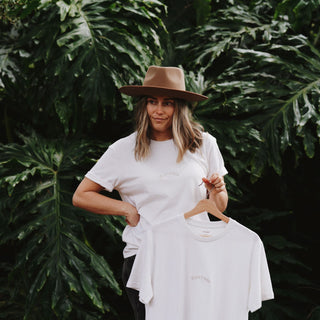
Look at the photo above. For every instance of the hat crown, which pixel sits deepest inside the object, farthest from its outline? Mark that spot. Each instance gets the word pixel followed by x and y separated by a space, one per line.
pixel 163 81
pixel 165 77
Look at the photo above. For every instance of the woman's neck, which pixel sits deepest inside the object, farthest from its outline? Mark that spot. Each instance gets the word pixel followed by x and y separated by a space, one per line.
pixel 161 136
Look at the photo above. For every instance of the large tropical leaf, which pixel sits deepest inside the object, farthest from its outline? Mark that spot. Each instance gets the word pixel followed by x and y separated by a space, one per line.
pixel 56 264
pixel 80 52
pixel 302 15
pixel 267 95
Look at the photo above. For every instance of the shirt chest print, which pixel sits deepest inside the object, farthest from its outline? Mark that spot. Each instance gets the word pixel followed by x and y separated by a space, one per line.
pixel 173 172
pixel 169 174
pixel 200 278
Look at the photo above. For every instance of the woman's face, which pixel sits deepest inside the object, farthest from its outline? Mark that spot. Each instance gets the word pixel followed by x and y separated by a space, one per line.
pixel 160 111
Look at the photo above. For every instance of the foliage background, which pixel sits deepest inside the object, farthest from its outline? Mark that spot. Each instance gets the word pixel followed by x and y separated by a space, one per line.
pixel 61 63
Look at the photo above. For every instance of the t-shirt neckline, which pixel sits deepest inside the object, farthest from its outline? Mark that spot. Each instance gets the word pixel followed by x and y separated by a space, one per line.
pixel 188 223
pixel 161 141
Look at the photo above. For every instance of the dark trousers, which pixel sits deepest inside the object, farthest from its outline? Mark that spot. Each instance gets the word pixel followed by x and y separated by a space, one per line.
pixel 133 295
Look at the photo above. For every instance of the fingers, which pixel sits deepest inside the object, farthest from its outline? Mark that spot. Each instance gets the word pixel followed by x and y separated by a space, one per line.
pixel 220 188
pixel 215 182
pixel 133 220
pixel 131 214
pixel 208 184
pixel 206 181
pixel 219 185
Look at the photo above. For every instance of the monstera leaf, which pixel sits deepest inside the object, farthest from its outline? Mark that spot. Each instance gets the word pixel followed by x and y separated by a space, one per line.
pixel 57 265
pixel 74 55
pixel 265 98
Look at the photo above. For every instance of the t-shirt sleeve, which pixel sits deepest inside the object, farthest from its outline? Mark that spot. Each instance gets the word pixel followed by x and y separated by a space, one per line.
pixel 141 274
pixel 260 282
pixel 106 170
pixel 214 156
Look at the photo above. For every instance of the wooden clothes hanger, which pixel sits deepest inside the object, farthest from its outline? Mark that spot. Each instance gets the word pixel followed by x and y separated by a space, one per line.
pixel 209 206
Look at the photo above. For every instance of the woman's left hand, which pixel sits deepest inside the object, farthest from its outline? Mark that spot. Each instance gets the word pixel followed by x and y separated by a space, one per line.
pixel 215 183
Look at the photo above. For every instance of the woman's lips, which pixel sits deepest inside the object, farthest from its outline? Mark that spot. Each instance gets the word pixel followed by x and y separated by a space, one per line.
pixel 159 119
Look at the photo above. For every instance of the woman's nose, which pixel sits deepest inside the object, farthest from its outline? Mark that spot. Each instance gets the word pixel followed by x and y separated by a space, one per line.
pixel 159 108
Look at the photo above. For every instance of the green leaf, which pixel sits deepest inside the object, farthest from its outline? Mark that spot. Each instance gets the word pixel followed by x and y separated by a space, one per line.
pixel 90 288
pixel 70 279
pixel 98 263
pixel 268 79
pixel 57 293
pixel 53 250
pixel 37 286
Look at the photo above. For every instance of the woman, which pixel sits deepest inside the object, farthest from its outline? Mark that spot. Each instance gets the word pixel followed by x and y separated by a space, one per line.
pixel 159 169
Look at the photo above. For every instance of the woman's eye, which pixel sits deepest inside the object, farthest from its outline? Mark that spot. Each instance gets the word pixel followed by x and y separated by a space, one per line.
pixel 165 103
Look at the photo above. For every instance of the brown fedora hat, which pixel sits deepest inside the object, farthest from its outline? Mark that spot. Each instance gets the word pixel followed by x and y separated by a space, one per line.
pixel 163 81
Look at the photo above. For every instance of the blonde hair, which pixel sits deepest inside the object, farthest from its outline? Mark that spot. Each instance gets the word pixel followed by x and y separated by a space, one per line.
pixel 187 133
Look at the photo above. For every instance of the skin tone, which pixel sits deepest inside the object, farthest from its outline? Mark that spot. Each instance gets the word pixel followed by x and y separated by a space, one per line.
pixel 217 191
pixel 87 196
pixel 160 111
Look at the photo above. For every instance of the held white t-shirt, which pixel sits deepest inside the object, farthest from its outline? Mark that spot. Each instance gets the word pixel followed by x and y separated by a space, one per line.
pixel 157 186
pixel 191 270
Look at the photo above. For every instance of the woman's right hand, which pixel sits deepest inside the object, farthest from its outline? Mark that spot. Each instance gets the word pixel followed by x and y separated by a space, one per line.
pixel 131 214
pixel 88 197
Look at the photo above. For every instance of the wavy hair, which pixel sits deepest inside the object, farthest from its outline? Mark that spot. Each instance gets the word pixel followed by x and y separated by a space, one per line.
pixel 187 133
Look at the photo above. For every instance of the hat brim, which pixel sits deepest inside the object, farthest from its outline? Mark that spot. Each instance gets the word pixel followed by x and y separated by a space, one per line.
pixel 159 91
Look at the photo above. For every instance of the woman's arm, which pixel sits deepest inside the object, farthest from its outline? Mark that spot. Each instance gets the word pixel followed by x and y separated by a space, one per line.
pixel 88 197
pixel 217 191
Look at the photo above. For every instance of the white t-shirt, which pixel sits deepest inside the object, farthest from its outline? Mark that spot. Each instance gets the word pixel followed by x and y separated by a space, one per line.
pixel 191 270
pixel 157 186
